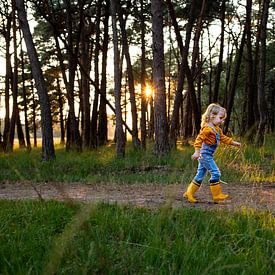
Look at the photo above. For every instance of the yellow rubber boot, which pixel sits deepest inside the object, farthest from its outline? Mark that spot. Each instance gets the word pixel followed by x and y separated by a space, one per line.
pixel 217 192
pixel 191 190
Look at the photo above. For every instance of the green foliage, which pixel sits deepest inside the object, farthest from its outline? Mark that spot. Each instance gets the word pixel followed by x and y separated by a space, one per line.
pixel 27 229
pixel 57 238
pixel 247 164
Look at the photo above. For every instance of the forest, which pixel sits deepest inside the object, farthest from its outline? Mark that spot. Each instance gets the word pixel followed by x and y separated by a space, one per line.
pixel 100 104
pixel 148 67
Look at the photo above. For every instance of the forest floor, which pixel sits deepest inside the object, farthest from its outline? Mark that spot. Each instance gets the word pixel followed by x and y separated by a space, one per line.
pixel 257 196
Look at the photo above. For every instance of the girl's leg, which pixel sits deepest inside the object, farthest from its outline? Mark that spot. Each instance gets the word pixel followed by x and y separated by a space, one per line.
pixel 195 184
pixel 201 172
pixel 214 181
pixel 213 169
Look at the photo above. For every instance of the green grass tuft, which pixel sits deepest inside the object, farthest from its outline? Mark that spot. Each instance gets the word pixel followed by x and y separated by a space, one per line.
pixel 59 238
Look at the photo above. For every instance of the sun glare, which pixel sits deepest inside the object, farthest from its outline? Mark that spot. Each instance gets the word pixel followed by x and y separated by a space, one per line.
pixel 148 91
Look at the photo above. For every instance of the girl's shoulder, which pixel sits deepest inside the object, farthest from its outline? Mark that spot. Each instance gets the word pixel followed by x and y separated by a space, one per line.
pixel 210 128
pixel 207 129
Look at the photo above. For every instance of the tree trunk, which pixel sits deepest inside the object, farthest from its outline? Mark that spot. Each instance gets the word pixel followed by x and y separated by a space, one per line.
pixel 15 111
pixel 143 78
pixel 135 140
pixel 46 120
pixel 261 81
pixel 85 60
pixel 25 101
pixel 120 137
pixel 250 90
pixel 233 85
pixel 102 116
pixel 73 138
pixel 7 83
pixel 219 66
pixel 94 119
pixel 210 69
pixel 60 106
pixel 34 116
pixel 161 146
pixel 184 52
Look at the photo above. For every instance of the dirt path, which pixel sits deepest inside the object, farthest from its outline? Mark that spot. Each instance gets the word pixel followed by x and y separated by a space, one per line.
pixel 254 196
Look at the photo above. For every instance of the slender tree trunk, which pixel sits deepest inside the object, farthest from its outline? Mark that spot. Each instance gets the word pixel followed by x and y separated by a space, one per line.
pixel 34 115
pixel 210 96
pixel 160 118
pixel 60 106
pixel 15 113
pixel 184 52
pixel 250 90
pixel 228 72
pixel 94 119
pixel 143 78
pixel 7 83
pixel 85 60
pixel 73 138
pixel 219 66
pixel 25 101
pixel 102 117
pixel 196 48
pixel 120 137
pixel 261 81
pixel 233 85
pixel 20 133
pixel 46 120
pixel 135 140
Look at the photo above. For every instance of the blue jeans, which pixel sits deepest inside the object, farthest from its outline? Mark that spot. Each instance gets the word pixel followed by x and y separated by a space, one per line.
pixel 207 163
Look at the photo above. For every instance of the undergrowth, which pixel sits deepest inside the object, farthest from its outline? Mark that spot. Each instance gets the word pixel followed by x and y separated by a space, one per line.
pixel 61 238
pixel 248 164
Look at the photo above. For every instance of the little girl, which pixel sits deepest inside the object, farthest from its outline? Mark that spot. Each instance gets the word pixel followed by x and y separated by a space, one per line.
pixel 205 145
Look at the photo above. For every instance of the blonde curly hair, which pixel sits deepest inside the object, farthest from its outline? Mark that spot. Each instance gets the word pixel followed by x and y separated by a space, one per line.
pixel 212 110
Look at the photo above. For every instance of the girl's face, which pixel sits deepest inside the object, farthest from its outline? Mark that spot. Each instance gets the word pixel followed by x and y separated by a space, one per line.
pixel 218 119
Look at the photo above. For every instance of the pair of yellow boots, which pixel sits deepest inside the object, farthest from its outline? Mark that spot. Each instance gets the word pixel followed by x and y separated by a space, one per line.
pixel 215 190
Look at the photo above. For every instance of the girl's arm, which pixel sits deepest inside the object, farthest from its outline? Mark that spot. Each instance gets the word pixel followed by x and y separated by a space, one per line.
pixel 237 144
pixel 196 155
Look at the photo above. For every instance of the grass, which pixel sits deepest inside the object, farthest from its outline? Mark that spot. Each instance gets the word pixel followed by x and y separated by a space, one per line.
pixel 249 164
pixel 65 238
pixel 61 238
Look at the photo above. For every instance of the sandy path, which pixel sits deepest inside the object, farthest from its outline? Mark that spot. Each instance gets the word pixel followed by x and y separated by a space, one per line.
pixel 259 196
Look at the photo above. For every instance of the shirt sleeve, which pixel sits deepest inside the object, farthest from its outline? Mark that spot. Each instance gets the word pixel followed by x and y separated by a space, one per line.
pixel 225 139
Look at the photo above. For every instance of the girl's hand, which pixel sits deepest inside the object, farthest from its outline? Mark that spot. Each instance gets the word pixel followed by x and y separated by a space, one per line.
pixel 237 144
pixel 196 155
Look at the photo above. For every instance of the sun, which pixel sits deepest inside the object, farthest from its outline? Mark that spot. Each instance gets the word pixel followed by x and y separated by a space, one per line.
pixel 148 91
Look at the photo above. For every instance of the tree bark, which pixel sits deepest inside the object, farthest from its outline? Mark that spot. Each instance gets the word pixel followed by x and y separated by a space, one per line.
pixel 120 137
pixel 143 78
pixel 261 81
pixel 7 82
pixel 102 116
pixel 94 119
pixel 182 69
pixel 250 90
pixel 161 146
pixel 27 131
pixel 232 89
pixel 60 106
pixel 85 60
pixel 219 66
pixel 135 140
pixel 73 138
pixel 14 82
pixel 46 120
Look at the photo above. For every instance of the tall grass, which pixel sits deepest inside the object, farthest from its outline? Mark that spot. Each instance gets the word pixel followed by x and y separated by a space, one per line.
pixel 59 238
pixel 100 166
